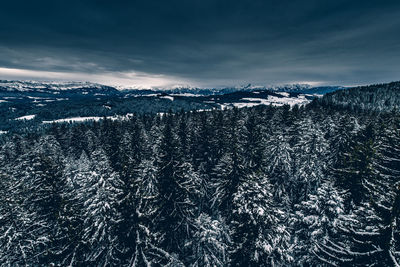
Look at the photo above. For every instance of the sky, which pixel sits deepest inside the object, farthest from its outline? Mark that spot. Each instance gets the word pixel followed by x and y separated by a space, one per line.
pixel 201 43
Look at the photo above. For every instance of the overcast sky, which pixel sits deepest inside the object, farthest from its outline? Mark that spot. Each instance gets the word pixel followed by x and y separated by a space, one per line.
pixel 205 43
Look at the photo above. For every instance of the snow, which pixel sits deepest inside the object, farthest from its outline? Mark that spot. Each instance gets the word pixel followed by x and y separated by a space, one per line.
pixel 3 101
pixel 26 117
pixel 271 100
pixel 252 99
pixel 167 97
pixel 147 95
pixel 222 106
pixel 27 86
pixel 314 95
pixel 186 94
pixel 243 105
pixel 93 118
pixel 74 119
pixel 278 101
pixel 35 97
pixel 286 94
pixel 203 110
pixel 3 132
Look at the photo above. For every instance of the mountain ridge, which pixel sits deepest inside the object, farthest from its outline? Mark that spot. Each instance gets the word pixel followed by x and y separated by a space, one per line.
pixel 38 86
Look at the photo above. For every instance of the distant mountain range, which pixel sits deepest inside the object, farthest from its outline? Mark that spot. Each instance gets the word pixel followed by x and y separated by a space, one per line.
pixel 43 87
pixel 87 87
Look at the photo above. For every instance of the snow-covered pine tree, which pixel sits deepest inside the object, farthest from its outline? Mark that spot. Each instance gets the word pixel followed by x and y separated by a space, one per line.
pixel 254 143
pixel 101 193
pixel 340 135
pixel 355 166
pixel 127 226
pixel 17 240
pixel 368 234
pixel 175 182
pixel 231 168
pixel 314 222
pixel 210 242
pixel 278 165
pixel 77 172
pixel 38 216
pixel 310 162
pixel 259 233
pixel 142 229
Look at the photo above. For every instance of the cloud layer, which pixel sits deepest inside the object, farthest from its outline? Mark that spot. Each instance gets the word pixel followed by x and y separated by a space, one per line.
pixel 202 43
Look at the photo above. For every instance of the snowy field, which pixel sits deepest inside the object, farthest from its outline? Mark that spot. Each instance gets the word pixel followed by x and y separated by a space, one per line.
pixel 26 117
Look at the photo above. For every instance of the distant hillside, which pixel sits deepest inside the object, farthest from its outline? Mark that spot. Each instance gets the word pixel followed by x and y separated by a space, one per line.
pixel 377 97
pixel 26 104
pixel 53 87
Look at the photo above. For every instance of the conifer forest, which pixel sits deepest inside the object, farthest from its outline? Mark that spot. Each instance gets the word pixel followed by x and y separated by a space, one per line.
pixel 311 185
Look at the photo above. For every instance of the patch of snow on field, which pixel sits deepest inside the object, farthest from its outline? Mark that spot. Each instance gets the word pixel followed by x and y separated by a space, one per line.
pixel 145 95
pixel 280 101
pixel 186 94
pixel 224 106
pixel 200 110
pixel 3 101
pixel 26 117
pixel 243 105
pixel 84 119
pixel 286 94
pixel 167 97
pixel 3 132
pixel 75 119
pixel 271 100
pixel 36 97
pixel 259 100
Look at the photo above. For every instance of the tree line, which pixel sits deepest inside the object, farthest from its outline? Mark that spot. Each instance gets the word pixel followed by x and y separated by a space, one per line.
pixel 260 186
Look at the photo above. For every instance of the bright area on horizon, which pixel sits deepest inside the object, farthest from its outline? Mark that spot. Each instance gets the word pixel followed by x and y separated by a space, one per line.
pixel 121 80
pixel 201 43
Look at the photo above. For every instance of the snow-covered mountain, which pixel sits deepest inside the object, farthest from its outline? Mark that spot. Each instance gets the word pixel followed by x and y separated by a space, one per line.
pixel 295 88
pixel 46 86
pixel 36 86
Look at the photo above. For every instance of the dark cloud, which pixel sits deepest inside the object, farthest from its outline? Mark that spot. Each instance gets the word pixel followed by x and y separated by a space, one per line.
pixel 208 42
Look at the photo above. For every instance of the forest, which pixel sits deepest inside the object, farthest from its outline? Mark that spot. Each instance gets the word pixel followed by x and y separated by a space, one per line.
pixel 316 185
